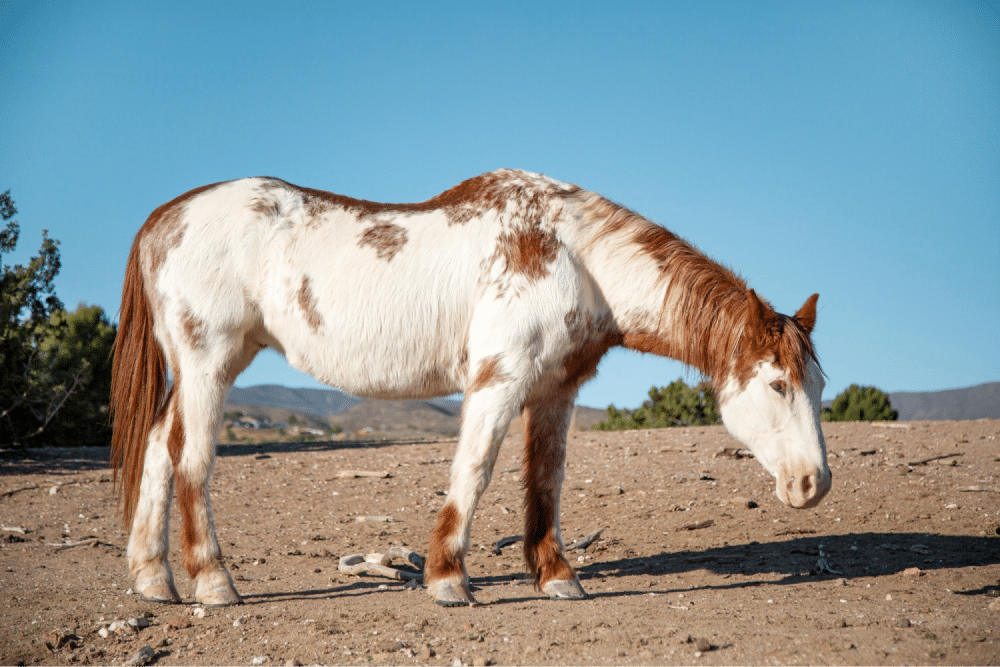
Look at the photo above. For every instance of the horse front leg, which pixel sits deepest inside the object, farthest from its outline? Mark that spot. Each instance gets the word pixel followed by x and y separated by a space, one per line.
pixel 545 429
pixel 486 415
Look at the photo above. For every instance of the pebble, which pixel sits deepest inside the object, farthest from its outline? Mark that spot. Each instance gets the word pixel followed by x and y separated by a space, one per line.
pixel 104 633
pixel 139 622
pixel 426 653
pixel 995 605
pixel 142 656
pixel 480 662
pixel 841 582
pixel 120 628
pixel 178 623
pixel 292 662
pixel 54 490
pixel 901 623
pixel 702 644
pixel 239 621
pixel 913 572
pixel 259 660
pixel 198 612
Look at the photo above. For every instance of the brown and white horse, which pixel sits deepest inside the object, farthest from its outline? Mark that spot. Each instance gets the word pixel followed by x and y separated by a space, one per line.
pixel 509 287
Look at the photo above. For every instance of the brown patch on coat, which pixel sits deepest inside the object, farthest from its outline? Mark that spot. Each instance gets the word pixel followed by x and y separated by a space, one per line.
pixel 267 206
pixel 194 329
pixel 164 229
pixel 528 252
pixel 442 562
pixel 460 204
pixel 308 304
pixel 488 374
pixel 592 337
pixel 387 240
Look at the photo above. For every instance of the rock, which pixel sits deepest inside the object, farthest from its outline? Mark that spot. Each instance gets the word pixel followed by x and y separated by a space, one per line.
pixel 198 612
pixel 259 660
pixel 54 490
pixel 913 572
pixel 142 656
pixel 239 621
pixel 139 622
pixel 426 653
pixel 104 633
pixel 901 623
pixel 995 605
pixel 841 582
pixel 292 662
pixel 178 623
pixel 480 662
pixel 121 628
pixel 702 644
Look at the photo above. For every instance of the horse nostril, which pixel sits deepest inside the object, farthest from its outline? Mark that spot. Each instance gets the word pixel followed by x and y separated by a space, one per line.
pixel 807 486
pixel 790 485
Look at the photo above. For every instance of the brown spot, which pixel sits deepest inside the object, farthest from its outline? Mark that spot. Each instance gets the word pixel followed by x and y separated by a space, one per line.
pixel 267 206
pixel 442 562
pixel 387 240
pixel 175 438
pixel 164 228
pixel 189 496
pixel 194 329
pixel 592 338
pixel 528 252
pixel 487 374
pixel 307 302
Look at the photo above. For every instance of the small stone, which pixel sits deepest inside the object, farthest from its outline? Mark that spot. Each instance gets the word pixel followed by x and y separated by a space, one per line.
pixel 995 605
pixel 480 662
pixel 259 660
pixel 104 633
pixel 54 490
pixel 239 621
pixel 841 582
pixel 901 623
pixel 179 623
pixel 198 612
pixel 139 622
pixel 702 644
pixel 426 653
pixel 913 572
pixel 120 628
pixel 292 662
pixel 142 656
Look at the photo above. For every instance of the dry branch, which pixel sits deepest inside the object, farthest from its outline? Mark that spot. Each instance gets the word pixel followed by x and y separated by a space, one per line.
pixel 378 564
pixel 379 474
pixel 506 542
pixel 698 524
pixel 585 542
pixel 924 462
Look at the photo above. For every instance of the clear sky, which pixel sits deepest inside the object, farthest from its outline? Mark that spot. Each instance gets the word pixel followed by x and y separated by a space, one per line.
pixel 845 148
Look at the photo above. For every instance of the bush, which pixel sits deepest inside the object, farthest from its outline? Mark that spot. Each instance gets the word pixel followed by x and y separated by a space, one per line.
pixel 857 404
pixel 673 405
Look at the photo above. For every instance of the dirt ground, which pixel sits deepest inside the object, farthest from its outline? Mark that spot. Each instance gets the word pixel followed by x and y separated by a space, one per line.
pixel 698 562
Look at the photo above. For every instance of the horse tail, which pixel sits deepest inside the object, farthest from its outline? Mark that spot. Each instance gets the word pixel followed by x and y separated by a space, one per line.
pixel 138 385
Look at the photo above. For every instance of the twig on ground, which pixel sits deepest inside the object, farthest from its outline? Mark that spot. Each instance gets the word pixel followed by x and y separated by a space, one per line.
pixel 698 524
pixel 380 474
pixel 378 564
pixel 506 542
pixel 585 542
pixel 924 462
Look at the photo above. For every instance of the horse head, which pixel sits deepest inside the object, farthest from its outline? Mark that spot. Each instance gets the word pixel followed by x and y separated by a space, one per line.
pixel 770 400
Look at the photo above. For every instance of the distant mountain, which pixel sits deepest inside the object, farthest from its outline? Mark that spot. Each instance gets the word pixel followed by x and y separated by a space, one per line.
pixel 441 415
pixel 978 402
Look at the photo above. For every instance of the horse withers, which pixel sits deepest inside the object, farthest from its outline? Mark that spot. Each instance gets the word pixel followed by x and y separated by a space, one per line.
pixel 509 287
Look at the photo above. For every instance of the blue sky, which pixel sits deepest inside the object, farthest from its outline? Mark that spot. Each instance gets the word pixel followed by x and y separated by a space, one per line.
pixel 845 148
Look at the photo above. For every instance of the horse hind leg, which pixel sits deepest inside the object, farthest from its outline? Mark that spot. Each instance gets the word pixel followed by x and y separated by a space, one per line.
pixel 149 541
pixel 200 388
pixel 545 429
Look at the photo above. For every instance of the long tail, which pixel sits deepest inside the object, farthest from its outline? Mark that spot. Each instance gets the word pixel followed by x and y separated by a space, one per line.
pixel 138 386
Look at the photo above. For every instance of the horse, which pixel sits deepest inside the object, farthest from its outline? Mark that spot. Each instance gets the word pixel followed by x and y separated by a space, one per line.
pixel 509 287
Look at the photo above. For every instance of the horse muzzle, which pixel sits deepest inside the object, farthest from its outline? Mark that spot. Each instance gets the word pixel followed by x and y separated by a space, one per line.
pixel 803 490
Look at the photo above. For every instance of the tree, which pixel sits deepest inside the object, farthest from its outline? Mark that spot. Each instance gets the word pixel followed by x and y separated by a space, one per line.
pixel 858 403
pixel 86 336
pixel 35 381
pixel 673 405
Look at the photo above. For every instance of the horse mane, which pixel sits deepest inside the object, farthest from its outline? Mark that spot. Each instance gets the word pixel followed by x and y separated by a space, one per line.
pixel 704 317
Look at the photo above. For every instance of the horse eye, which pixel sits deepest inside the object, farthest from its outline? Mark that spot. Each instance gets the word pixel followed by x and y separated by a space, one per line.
pixel 779 387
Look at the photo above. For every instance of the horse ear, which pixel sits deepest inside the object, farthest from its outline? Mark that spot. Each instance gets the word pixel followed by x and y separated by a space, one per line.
pixel 806 317
pixel 755 311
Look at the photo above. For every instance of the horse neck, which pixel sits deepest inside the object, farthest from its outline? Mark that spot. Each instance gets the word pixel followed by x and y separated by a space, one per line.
pixel 665 296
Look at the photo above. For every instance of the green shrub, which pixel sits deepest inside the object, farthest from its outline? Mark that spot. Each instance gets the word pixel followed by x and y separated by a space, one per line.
pixel 673 405
pixel 857 404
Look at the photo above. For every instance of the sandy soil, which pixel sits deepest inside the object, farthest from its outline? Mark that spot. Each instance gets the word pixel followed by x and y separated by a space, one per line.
pixel 698 562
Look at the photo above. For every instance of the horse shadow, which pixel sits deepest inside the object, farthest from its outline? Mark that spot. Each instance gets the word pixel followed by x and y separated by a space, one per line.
pixel 812 558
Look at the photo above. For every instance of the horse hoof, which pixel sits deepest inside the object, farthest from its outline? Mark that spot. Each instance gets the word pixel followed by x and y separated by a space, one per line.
pixel 220 596
pixel 564 589
pixel 447 594
pixel 163 593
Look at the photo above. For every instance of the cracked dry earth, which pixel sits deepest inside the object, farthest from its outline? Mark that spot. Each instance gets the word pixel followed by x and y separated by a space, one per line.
pixel 698 562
